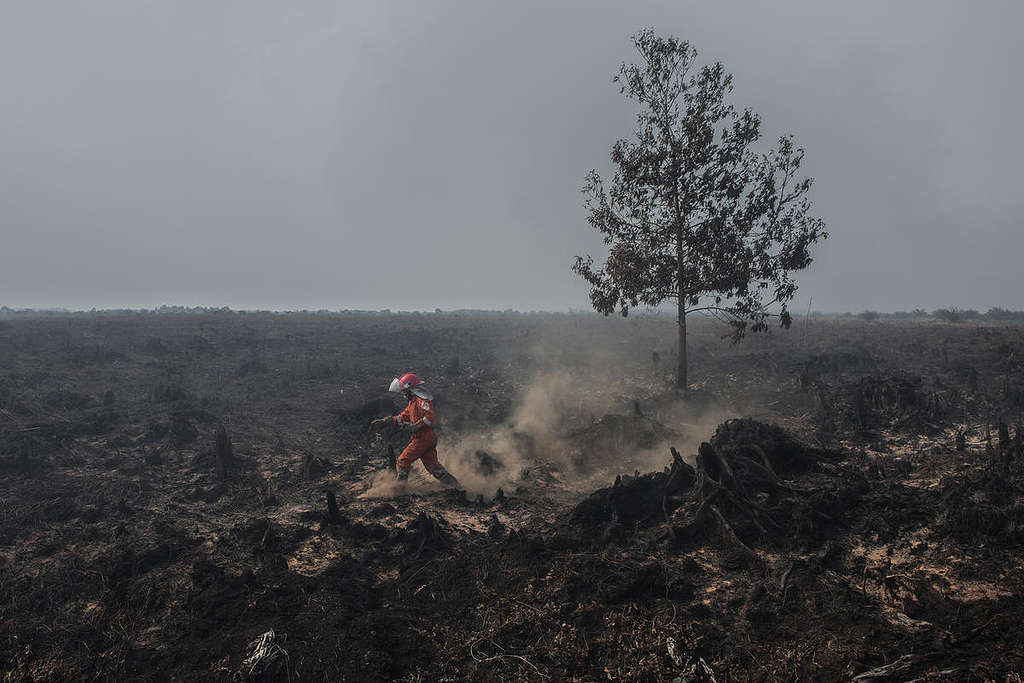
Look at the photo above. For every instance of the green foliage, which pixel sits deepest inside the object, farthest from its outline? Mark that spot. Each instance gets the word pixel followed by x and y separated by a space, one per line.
pixel 693 214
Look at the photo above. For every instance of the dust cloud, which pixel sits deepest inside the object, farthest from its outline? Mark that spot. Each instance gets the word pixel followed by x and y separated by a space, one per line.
pixel 582 413
pixel 581 432
pixel 384 484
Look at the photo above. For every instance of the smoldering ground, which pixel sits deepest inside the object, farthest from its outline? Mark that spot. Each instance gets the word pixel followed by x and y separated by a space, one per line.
pixel 568 396
pixel 585 427
pixel 126 552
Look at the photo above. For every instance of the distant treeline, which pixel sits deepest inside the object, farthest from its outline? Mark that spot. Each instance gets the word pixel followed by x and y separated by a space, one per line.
pixel 7 312
pixel 948 315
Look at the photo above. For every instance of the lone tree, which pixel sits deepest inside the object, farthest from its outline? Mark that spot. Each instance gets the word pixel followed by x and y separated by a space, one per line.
pixel 694 214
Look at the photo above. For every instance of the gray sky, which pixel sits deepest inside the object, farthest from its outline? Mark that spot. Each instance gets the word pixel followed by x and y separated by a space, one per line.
pixel 325 154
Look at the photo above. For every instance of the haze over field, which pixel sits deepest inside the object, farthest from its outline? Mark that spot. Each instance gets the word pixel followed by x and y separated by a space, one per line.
pixel 318 154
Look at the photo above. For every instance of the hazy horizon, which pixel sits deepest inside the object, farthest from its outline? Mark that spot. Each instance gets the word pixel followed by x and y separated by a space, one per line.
pixel 666 312
pixel 317 155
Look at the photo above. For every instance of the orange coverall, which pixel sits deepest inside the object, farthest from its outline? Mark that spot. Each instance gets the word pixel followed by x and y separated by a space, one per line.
pixel 423 446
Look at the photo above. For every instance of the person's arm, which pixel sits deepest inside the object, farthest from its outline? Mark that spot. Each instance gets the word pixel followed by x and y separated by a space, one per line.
pixel 401 420
pixel 426 412
pixel 403 417
pixel 411 426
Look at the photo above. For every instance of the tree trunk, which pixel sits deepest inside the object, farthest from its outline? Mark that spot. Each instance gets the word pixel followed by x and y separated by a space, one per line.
pixel 681 379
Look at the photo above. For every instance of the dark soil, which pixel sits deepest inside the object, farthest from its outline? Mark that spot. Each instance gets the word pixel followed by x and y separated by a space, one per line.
pixel 177 490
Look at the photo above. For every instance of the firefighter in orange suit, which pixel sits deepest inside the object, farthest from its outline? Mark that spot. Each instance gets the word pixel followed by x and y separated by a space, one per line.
pixel 418 418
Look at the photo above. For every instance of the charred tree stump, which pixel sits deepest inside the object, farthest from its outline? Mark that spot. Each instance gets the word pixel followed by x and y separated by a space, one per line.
pixel 333 513
pixel 223 452
pixel 765 462
pixel 680 471
pixel 723 484
pixel 719 468
pixel 1004 436
pixel 1005 449
pixel 425 533
pixel 726 529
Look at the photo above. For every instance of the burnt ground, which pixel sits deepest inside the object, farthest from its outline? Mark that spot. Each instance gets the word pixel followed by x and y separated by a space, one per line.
pixel 847 503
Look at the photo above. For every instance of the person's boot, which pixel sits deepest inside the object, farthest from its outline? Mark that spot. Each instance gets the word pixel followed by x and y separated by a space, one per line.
pixel 446 478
